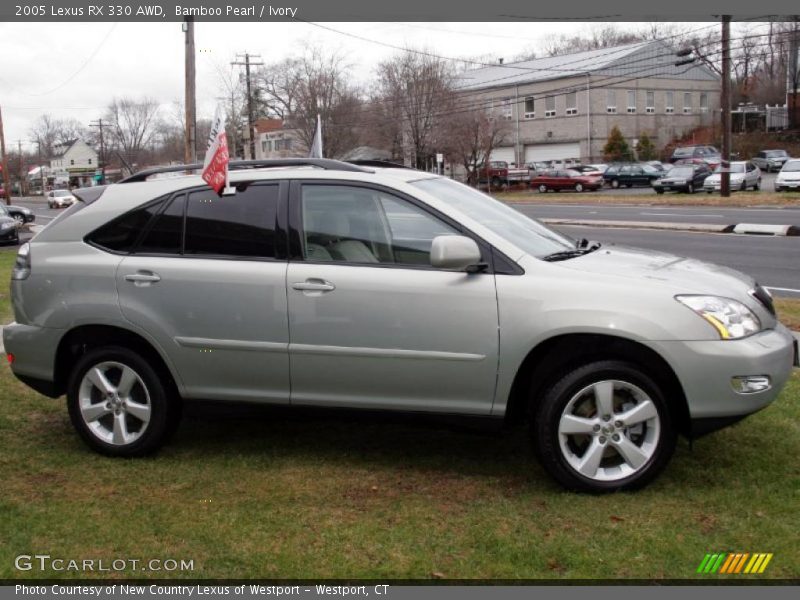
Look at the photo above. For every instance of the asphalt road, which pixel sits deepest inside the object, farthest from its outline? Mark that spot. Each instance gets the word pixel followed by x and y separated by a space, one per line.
pixel 685 214
pixel 773 261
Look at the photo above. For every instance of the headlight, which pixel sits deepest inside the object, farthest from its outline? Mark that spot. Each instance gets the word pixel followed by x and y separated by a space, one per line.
pixel 730 318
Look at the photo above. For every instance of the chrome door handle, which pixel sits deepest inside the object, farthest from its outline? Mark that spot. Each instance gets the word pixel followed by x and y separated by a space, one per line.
pixel 314 285
pixel 142 277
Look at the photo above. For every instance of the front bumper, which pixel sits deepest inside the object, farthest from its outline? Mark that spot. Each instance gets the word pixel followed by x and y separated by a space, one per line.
pixel 705 370
pixel 672 187
pixel 787 185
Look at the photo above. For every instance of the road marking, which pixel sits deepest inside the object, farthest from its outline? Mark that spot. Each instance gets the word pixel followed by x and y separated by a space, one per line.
pixel 780 289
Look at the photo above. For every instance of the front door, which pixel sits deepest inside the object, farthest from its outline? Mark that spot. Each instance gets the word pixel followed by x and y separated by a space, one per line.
pixel 371 323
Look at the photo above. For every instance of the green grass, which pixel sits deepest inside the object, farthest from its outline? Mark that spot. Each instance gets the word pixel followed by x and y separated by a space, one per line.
pixel 266 495
pixel 789 312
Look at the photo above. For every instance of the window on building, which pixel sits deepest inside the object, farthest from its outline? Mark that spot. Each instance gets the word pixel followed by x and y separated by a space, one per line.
pixel 506 109
pixel 631 101
pixel 611 102
pixel 550 106
pixel 669 103
pixel 572 103
pixel 650 104
pixel 703 102
pixel 530 111
pixel 687 102
pixel 72 161
pixel 90 161
pixel 263 145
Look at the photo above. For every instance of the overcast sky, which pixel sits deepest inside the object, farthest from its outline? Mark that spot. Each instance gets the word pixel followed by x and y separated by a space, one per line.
pixel 75 69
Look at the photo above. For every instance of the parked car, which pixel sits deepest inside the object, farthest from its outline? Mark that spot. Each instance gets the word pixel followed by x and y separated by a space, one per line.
pixel 770 160
pixel 21 214
pixel 630 174
pixel 599 167
pixel 789 177
pixel 744 174
pixel 500 173
pixel 588 170
pixel 60 198
pixel 658 165
pixel 566 180
pixel 9 230
pixel 682 178
pixel 697 154
pixel 607 352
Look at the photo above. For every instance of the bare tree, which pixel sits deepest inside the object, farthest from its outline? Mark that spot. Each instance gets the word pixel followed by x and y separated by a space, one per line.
pixel 472 135
pixel 296 90
pixel 44 132
pixel 232 93
pixel 417 87
pixel 132 125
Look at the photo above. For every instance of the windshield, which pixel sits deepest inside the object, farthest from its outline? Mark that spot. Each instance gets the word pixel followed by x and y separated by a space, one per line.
pixel 776 153
pixel 683 152
pixel 681 172
pixel 61 193
pixel 527 234
pixel 734 168
pixel 792 165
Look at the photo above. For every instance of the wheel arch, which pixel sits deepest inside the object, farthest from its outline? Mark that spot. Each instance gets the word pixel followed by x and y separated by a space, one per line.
pixel 78 340
pixel 547 361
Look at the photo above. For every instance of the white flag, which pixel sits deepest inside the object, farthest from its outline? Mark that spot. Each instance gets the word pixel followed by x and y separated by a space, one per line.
pixel 316 143
pixel 215 166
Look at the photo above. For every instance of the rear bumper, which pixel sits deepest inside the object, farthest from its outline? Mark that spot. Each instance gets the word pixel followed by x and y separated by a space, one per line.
pixel 706 368
pixel 34 350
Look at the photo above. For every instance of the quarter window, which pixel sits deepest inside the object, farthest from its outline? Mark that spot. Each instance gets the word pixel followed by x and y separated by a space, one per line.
pixel 121 234
pixel 165 236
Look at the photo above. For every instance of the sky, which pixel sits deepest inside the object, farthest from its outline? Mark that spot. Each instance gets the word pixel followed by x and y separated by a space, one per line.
pixel 75 69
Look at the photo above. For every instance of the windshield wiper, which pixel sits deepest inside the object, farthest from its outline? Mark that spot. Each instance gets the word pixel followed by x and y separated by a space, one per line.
pixel 582 246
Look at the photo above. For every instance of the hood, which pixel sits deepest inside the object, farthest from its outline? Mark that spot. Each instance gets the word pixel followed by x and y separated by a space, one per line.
pixel 789 175
pixel 681 275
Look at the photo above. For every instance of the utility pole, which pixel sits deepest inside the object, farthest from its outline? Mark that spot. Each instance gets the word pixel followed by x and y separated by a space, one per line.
pixel 21 169
pixel 725 107
pixel 792 77
pixel 190 101
pixel 39 160
pixel 99 125
pixel 6 182
pixel 250 120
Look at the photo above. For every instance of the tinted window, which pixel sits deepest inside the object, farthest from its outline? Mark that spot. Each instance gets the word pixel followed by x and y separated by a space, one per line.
pixel 166 233
pixel 239 225
pixel 121 234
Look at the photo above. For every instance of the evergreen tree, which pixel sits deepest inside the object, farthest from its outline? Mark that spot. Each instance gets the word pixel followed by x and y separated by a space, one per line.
pixel 645 148
pixel 616 148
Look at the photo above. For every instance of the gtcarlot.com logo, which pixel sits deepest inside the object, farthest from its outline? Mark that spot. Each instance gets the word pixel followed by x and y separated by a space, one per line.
pixel 734 563
pixel 45 562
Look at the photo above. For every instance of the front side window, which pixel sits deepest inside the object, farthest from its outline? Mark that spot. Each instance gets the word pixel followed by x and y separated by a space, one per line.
pixel 611 101
pixel 550 106
pixel 365 226
pixel 530 111
pixel 631 101
pixel 572 103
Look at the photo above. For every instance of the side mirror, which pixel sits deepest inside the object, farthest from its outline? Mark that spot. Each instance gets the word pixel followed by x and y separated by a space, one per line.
pixel 454 252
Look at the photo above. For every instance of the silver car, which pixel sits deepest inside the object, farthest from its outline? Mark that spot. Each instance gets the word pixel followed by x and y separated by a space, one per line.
pixel 320 283
pixel 743 175
pixel 770 160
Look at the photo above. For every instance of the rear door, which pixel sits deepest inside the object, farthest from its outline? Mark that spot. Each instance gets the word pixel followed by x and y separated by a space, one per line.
pixel 206 284
pixel 372 324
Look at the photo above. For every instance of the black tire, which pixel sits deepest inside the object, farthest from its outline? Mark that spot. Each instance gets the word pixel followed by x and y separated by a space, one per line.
pixel 690 189
pixel 496 182
pixel 615 183
pixel 743 187
pixel 659 191
pixel 548 413
pixel 578 187
pixel 757 186
pixel 542 189
pixel 165 406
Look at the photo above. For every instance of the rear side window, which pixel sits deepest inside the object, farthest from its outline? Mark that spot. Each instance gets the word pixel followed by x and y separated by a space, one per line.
pixel 238 225
pixel 121 234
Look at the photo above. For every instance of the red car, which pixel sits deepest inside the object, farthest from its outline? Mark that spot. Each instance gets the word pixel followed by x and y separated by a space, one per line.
pixel 566 179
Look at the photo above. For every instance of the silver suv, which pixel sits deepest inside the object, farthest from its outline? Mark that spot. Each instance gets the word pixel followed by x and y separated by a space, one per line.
pixel 320 283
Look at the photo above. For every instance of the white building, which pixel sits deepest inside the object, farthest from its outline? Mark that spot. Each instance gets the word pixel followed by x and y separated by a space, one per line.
pixel 76 161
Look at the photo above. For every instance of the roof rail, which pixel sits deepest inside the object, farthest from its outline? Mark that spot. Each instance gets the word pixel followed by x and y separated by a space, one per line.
pixel 239 165
pixel 379 163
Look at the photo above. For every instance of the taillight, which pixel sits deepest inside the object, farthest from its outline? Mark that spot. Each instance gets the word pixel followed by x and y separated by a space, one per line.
pixel 22 267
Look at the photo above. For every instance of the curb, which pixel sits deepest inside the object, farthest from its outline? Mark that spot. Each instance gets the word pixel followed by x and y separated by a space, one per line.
pixel 740 228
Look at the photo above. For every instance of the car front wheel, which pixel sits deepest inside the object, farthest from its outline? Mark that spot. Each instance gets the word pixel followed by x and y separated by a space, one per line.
pixel 118 403
pixel 578 187
pixel 542 188
pixel 604 427
pixel 615 183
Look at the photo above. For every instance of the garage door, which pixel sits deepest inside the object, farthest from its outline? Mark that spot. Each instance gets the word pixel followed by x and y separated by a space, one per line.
pixel 543 152
pixel 506 154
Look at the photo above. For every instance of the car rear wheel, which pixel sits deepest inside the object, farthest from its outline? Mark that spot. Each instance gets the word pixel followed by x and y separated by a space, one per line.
pixel 20 220
pixel 690 189
pixel 604 427
pixel 757 186
pixel 542 188
pixel 118 403
pixel 496 182
pixel 743 187
pixel 578 187
pixel 615 183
